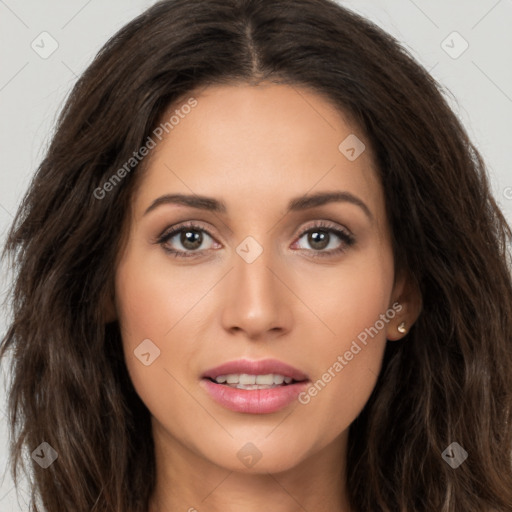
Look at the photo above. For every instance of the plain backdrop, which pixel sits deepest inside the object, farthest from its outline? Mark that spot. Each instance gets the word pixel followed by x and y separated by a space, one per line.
pixel 473 64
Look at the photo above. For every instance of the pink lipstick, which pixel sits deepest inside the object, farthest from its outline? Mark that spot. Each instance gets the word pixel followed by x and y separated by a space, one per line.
pixel 254 387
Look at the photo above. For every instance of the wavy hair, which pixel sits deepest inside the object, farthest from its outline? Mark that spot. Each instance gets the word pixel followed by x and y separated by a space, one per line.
pixel 449 380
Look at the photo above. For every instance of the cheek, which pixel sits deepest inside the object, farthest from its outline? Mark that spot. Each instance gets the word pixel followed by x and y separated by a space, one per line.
pixel 349 357
pixel 156 302
pixel 151 312
pixel 152 296
pixel 350 297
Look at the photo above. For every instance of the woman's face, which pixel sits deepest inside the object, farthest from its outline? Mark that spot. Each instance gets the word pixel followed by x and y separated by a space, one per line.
pixel 267 272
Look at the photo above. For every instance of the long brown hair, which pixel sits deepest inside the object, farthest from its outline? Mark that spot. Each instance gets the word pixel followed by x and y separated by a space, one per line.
pixel 449 380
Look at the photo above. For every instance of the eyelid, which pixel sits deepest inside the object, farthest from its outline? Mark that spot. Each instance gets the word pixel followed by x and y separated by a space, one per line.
pixel 191 224
pixel 324 224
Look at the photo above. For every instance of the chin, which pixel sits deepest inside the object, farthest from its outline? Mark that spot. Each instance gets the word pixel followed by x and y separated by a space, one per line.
pixel 259 456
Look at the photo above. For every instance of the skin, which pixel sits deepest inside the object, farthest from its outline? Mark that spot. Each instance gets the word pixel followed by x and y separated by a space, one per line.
pixel 256 148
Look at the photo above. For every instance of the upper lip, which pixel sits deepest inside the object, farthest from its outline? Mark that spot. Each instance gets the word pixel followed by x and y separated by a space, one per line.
pixel 259 367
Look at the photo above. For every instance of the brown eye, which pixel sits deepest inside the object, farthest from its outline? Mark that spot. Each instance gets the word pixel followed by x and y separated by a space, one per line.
pixel 186 241
pixel 318 239
pixel 324 240
pixel 191 239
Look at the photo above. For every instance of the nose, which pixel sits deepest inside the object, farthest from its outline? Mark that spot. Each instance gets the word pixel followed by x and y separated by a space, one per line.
pixel 257 301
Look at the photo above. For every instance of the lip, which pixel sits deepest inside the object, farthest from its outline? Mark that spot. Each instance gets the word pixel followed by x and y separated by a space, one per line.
pixel 259 367
pixel 254 401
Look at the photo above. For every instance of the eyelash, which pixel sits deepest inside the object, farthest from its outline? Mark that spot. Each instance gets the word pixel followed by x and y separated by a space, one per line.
pixel 348 240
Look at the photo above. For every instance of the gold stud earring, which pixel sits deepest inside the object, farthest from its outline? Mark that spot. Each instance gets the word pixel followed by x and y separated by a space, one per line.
pixel 401 328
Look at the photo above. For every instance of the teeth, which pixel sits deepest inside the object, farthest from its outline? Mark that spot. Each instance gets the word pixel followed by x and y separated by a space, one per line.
pixel 264 379
pixel 247 381
pixel 278 379
pixel 254 386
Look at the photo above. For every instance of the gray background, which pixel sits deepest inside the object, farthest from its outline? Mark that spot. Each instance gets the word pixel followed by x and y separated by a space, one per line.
pixel 33 89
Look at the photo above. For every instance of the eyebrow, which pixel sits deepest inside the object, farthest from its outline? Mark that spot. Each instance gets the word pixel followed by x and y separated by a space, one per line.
pixel 296 204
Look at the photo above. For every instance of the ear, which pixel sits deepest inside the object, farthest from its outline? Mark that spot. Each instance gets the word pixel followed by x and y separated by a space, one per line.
pixel 408 305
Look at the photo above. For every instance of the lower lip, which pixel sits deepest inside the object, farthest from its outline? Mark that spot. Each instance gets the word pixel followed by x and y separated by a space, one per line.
pixel 254 401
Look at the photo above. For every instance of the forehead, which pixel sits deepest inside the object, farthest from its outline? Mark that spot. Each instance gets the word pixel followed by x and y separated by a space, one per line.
pixel 257 146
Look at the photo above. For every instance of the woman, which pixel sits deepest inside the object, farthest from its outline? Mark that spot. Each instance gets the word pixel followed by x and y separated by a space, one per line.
pixel 261 265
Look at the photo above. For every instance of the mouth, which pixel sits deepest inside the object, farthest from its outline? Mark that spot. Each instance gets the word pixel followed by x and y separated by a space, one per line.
pixel 256 387
pixel 250 382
